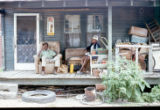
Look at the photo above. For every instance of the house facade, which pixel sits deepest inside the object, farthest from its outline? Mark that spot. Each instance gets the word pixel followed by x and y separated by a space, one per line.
pixel 24 24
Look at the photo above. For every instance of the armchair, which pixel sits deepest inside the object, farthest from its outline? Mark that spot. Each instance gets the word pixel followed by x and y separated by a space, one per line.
pixel 53 45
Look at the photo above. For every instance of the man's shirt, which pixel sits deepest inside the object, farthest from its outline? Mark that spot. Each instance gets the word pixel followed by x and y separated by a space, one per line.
pixel 92 46
pixel 48 54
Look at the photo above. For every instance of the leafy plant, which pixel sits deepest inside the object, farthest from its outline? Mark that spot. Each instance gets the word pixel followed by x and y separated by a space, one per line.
pixel 153 96
pixel 124 81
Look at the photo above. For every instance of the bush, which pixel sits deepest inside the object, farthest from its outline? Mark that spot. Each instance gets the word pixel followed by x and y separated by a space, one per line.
pixel 124 81
pixel 153 96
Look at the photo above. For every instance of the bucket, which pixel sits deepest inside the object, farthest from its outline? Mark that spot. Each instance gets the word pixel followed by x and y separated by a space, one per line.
pixel 90 93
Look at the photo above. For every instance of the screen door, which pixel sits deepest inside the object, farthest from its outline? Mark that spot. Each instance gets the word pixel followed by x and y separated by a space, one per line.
pixel 26 40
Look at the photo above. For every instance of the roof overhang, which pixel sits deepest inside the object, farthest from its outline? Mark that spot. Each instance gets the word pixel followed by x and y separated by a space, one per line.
pixel 76 3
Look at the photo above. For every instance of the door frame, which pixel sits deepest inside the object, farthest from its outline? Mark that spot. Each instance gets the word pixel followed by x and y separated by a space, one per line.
pixel 25 66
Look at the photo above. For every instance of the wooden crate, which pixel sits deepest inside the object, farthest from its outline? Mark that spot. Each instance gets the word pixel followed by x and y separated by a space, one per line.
pixel 138 31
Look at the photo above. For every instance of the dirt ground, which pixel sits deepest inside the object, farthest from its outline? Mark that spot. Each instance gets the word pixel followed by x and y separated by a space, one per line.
pixel 65 102
pixel 70 101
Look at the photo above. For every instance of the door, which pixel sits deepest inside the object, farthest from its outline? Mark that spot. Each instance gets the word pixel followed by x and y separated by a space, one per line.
pixel 26 40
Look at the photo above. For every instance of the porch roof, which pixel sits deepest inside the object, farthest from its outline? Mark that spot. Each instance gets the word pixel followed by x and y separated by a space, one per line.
pixel 75 3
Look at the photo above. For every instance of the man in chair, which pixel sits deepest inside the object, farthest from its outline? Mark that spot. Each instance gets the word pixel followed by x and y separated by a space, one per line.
pixel 85 59
pixel 47 55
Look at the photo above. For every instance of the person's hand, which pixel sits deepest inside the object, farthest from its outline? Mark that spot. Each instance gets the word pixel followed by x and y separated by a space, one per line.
pixel 42 48
pixel 85 50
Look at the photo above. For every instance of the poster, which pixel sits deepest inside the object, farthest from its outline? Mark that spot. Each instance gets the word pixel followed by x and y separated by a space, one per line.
pixel 50 26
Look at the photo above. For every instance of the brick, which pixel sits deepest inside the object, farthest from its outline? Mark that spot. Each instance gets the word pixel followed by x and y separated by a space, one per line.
pixel 100 87
pixel 8 91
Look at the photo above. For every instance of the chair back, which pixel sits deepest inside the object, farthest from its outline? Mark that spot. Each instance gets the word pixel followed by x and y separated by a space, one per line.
pixel 53 45
pixel 74 52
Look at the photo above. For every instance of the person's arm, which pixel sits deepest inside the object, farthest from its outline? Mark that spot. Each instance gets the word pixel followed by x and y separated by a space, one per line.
pixel 52 53
pixel 98 45
pixel 88 48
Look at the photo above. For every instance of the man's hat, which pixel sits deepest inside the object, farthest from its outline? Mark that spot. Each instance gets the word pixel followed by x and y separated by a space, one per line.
pixel 95 37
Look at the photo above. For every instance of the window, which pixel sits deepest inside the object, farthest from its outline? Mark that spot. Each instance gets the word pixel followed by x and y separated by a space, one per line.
pixel 72 30
pixel 95 23
pixel 72 24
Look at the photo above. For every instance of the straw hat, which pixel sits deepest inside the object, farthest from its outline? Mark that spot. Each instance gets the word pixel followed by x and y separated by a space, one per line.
pixel 95 37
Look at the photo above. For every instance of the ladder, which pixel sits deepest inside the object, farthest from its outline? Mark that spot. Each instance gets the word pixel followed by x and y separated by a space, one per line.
pixel 154 30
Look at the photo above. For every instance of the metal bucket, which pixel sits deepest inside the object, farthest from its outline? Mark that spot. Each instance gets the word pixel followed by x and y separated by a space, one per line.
pixel 90 93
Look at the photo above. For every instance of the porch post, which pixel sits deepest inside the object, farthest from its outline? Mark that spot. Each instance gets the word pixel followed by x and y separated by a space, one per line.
pixel 2 58
pixel 0 44
pixel 109 30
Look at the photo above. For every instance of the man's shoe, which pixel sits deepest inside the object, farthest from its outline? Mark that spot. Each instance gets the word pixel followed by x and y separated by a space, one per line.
pixel 79 73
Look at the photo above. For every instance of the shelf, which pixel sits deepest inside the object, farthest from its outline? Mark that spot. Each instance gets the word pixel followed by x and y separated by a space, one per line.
pixel 99 65
pixel 99 55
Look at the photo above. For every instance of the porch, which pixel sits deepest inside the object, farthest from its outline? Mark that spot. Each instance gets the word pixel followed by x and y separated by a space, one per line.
pixel 30 78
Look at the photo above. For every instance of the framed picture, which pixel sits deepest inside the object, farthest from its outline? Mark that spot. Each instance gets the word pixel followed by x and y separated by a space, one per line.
pixel 50 26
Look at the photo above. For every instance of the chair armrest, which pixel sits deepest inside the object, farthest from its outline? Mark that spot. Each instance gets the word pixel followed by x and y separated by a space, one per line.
pixel 60 55
pixel 36 62
pixel 36 59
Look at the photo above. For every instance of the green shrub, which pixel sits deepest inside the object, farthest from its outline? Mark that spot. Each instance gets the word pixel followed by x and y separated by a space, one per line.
pixel 124 80
pixel 153 96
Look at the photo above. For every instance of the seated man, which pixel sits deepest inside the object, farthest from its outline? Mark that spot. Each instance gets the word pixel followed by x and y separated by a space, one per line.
pixel 85 59
pixel 47 55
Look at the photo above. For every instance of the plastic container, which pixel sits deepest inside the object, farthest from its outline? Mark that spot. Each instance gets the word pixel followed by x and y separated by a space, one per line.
pixel 71 68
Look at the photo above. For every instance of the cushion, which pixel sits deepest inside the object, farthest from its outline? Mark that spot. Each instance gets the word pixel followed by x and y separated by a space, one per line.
pixel 75 58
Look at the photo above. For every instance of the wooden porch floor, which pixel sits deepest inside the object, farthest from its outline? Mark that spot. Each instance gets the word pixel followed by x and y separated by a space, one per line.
pixel 32 74
pixel 30 78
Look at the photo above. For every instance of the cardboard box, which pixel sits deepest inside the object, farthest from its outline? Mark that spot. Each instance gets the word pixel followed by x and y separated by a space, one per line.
pixel 138 31
pixel 138 39
pixel 126 53
pixel 62 69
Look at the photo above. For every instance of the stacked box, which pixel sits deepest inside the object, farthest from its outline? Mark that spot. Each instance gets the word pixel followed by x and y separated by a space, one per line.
pixel 138 39
pixel 139 35
pixel 142 32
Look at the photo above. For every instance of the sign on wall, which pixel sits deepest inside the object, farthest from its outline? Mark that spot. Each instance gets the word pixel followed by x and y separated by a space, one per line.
pixel 50 26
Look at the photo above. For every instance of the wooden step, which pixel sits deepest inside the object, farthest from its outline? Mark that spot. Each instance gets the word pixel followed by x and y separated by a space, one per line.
pixel 156 31
pixel 151 22
pixel 153 25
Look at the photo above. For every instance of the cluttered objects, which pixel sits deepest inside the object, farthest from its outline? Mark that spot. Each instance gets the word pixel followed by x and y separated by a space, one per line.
pixel 136 48
pixel 98 61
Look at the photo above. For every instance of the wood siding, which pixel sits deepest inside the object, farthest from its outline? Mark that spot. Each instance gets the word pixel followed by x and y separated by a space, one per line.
pixel 124 18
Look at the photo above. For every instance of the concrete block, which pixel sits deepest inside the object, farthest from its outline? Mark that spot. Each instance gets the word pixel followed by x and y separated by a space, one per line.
pixel 8 91
pixel 8 95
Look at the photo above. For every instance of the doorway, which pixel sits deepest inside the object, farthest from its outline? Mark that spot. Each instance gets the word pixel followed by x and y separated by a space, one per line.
pixel 26 40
